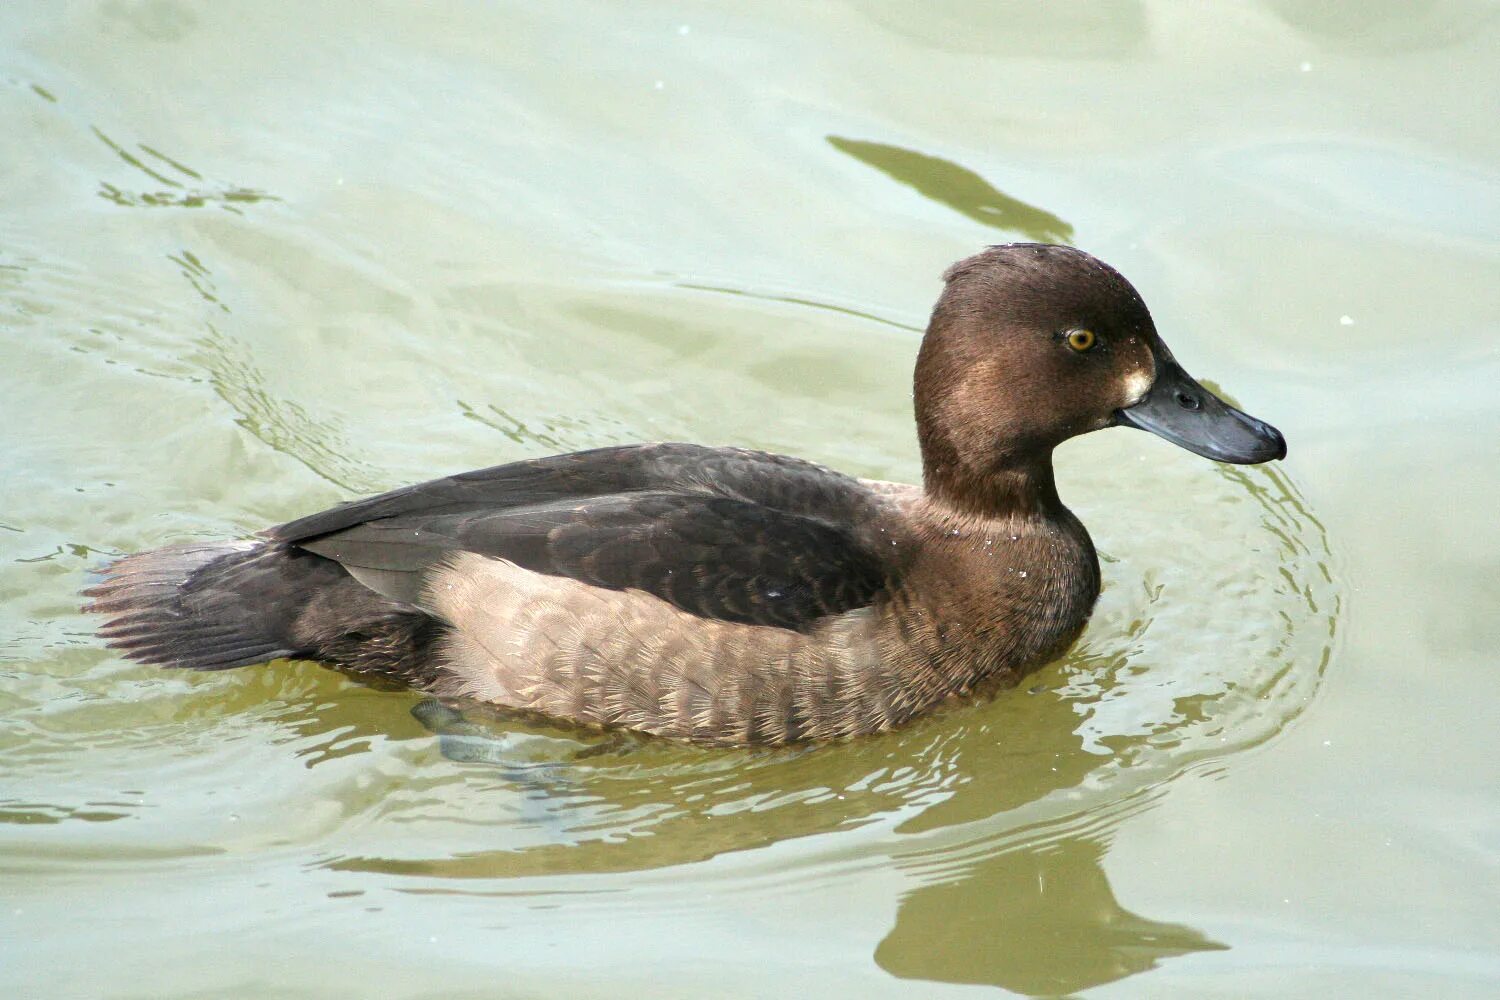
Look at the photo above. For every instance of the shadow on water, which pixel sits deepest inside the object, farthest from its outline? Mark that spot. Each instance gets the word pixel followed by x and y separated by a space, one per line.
pixel 960 188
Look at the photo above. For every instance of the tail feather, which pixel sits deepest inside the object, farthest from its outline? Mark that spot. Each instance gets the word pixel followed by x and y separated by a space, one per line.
pixel 192 606
pixel 233 604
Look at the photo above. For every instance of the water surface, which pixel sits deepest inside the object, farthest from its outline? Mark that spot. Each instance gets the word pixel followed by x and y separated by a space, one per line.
pixel 259 258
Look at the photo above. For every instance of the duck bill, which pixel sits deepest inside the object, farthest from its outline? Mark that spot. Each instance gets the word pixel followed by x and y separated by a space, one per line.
pixel 1181 410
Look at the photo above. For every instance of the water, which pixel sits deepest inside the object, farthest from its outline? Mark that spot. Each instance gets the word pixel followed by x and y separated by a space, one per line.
pixel 259 258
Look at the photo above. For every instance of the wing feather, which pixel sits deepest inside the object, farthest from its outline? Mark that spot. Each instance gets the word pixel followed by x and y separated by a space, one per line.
pixel 725 534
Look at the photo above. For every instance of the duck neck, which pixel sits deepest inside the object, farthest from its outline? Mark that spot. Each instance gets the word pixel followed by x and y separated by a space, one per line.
pixel 1010 490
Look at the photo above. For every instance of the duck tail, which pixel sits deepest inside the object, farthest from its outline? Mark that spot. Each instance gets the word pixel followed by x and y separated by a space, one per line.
pixel 203 606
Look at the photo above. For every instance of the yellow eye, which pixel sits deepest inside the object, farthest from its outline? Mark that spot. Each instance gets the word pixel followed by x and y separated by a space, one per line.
pixel 1081 340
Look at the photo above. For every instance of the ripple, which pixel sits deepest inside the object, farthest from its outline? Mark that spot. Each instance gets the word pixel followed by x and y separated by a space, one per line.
pixel 183 186
pixel 282 424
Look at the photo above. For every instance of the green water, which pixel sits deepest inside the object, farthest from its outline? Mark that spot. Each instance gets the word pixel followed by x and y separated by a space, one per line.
pixel 256 258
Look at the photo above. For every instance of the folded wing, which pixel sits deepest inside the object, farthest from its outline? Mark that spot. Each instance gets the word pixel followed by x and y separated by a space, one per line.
pixel 724 534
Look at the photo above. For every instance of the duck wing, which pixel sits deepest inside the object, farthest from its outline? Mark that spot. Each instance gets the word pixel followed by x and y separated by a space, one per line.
pixel 721 533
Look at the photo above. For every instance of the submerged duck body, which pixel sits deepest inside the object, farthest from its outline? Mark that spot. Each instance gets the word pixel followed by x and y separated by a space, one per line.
pixel 717 594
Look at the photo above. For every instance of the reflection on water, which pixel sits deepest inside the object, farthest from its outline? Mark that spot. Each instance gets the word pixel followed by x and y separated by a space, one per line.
pixel 193 269
pixel 156 20
pixel 1385 26
pixel 960 188
pixel 27 813
pixel 186 185
pixel 1039 919
pixel 618 802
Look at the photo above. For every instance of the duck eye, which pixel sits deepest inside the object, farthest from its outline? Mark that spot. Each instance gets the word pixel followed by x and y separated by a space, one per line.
pixel 1082 340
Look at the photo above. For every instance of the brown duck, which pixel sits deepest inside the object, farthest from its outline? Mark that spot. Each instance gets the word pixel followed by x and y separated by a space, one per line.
pixel 718 594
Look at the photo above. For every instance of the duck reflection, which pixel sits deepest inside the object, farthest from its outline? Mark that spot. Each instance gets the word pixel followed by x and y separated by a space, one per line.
pixel 1038 920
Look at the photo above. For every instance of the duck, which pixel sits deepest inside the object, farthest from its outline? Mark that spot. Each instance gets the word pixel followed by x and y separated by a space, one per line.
pixel 722 595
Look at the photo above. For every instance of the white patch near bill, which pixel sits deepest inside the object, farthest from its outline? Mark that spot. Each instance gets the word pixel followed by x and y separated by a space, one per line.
pixel 1137 384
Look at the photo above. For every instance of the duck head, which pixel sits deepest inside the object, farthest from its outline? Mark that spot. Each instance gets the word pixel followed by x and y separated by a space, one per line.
pixel 1031 344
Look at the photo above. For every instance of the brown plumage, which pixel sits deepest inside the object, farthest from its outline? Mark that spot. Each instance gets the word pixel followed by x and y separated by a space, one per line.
pixel 717 594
